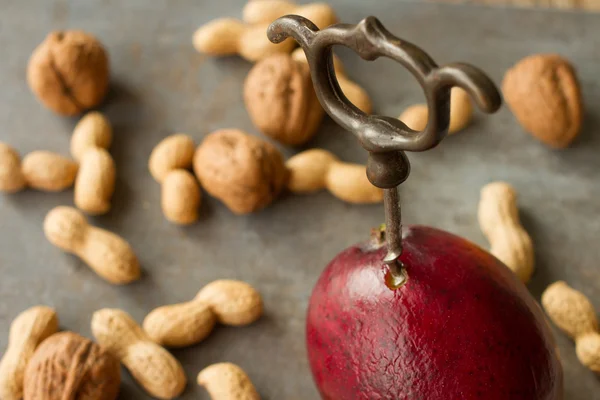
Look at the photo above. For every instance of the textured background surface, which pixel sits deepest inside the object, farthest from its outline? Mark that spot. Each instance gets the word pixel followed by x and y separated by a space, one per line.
pixel 590 5
pixel 161 86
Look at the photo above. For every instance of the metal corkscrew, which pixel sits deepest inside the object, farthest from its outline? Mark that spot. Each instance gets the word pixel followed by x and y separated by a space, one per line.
pixel 385 138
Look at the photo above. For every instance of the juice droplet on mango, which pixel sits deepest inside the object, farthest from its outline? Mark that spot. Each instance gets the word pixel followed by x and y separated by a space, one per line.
pixel 396 276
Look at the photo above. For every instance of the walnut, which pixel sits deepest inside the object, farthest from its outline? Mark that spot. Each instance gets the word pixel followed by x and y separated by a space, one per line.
pixel 244 172
pixel 69 72
pixel 281 99
pixel 69 366
pixel 543 92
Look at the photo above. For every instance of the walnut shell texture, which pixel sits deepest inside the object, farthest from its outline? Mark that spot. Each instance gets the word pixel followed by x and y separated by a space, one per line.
pixel 69 366
pixel 281 100
pixel 69 72
pixel 244 172
pixel 543 93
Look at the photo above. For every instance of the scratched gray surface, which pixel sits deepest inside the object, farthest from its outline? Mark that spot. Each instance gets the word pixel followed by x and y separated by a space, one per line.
pixel 161 86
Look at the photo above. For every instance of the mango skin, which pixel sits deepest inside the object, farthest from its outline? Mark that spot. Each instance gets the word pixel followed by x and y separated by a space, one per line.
pixel 462 327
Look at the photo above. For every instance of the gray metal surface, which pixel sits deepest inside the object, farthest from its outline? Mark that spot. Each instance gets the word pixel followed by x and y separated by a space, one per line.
pixel 161 86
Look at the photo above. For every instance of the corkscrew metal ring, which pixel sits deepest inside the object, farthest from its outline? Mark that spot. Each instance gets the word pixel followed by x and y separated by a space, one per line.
pixel 385 138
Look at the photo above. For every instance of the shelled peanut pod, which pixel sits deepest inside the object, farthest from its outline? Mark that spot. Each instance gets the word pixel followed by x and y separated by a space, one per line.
pixel 41 170
pixel 229 36
pixel 318 169
pixel 180 193
pixel 225 301
pixel 573 313
pixel 267 11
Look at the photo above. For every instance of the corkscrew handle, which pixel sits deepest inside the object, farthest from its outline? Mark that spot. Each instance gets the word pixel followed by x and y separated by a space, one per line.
pixel 385 138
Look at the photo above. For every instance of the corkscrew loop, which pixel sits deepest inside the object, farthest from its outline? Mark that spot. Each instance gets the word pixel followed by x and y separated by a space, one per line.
pixel 385 138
